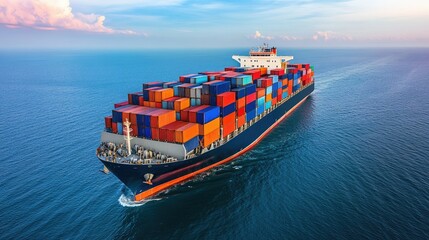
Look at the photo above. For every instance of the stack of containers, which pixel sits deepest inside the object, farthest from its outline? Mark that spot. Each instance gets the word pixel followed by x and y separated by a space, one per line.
pixel 195 95
pixel 250 101
pixel 240 102
pixel 229 101
pixel 227 104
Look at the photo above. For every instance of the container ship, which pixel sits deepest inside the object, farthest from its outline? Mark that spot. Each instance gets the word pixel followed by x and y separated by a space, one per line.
pixel 171 131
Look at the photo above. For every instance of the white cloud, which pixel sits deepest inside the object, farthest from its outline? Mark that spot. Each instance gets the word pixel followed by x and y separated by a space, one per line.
pixel 258 35
pixel 330 35
pixel 51 15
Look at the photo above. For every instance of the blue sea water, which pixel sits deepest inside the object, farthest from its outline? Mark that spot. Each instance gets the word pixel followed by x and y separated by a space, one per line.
pixel 352 162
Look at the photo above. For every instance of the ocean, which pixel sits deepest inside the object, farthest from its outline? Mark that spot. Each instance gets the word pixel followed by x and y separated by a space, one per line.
pixel 352 162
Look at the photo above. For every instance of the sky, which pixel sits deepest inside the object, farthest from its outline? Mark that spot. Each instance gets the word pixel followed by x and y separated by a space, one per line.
pixel 134 24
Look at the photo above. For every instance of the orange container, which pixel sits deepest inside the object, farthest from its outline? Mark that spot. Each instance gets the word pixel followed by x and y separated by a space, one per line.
pixel 210 137
pixel 260 92
pixel 241 120
pixel 228 118
pixel 268 97
pixel 186 132
pixel 162 94
pixel 208 127
pixel 152 104
pixel 241 102
pixel 289 87
pixel 146 103
pixel 228 128
pixel 152 95
pixel 181 104
pixel 263 70
pixel 162 117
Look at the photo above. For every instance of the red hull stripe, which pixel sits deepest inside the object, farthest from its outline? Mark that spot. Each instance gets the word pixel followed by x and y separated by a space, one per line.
pixel 157 189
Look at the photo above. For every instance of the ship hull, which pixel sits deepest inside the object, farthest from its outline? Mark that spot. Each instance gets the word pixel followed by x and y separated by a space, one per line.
pixel 167 175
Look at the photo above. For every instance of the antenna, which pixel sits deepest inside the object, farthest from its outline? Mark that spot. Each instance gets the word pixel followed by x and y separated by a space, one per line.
pixel 127 136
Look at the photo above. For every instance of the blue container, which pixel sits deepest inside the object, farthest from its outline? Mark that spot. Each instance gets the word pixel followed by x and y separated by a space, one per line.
pixel 176 90
pixel 219 88
pixel 261 101
pixel 213 100
pixel 239 92
pixel 284 95
pixel 140 131
pixel 116 116
pixel 153 84
pixel 192 144
pixel 146 120
pixel 225 111
pixel 251 115
pixel 284 86
pixel 260 109
pixel 274 94
pixel 164 104
pixel 296 87
pixel 279 85
pixel 268 90
pixel 178 116
pixel 251 88
pixel 147 132
pixel 198 79
pixel 120 128
pixel 275 87
pixel 267 105
pixel 239 69
pixel 140 120
pixel 250 106
pixel 135 98
pixel 171 85
pixel 208 114
pixel 275 78
pixel 284 76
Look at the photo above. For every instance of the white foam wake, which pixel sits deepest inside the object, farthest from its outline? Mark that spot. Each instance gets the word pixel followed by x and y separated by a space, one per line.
pixel 126 201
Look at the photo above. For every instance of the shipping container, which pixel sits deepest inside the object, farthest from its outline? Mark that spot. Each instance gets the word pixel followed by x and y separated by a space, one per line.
pixel 228 118
pixel 250 115
pixel 225 99
pixel 241 111
pixel 192 144
pixel 250 98
pixel 152 84
pixel 162 94
pixel 250 106
pixel 108 122
pixel 186 132
pixel 192 115
pixel 228 128
pixel 241 80
pixel 260 92
pixel 241 102
pixel 228 109
pixel 204 129
pixel 181 103
pixel 208 114
pixel 210 138
pixel 278 71
pixel 239 92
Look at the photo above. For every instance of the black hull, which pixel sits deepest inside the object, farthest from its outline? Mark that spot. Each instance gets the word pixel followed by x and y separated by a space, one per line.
pixel 169 174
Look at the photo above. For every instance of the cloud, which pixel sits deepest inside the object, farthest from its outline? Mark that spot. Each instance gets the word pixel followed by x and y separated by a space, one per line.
pixel 330 35
pixel 51 15
pixel 259 35
pixel 290 38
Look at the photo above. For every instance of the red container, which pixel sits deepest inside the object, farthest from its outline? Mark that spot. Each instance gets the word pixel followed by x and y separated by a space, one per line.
pixel 205 99
pixel 265 82
pixel 289 87
pixel 114 127
pixel 134 129
pixel 225 99
pixel 256 73
pixel 241 111
pixel 108 122
pixel 277 71
pixel 141 101
pixel 228 118
pixel 250 98
pixel 241 120
pixel 158 105
pixel 116 105
pixel 228 128
pixel 273 101
pixel 155 133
